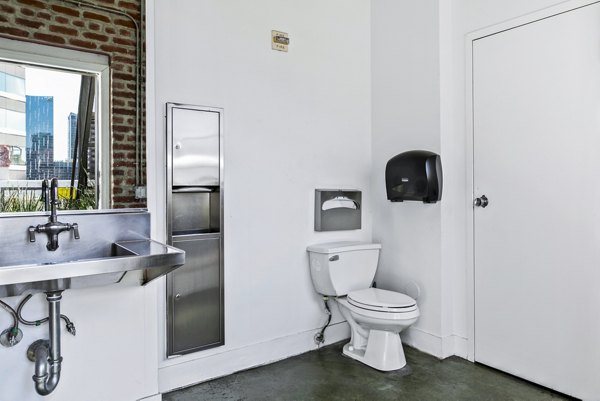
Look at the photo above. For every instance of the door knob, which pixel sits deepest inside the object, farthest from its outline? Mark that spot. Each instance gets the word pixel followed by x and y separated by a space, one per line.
pixel 483 201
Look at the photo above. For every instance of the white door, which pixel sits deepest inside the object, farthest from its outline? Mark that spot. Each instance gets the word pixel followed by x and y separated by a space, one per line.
pixel 536 108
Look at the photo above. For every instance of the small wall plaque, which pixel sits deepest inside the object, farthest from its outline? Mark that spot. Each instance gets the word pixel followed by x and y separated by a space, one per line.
pixel 280 41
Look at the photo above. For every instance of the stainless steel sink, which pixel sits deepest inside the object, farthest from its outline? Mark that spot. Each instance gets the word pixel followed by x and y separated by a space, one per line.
pixel 111 245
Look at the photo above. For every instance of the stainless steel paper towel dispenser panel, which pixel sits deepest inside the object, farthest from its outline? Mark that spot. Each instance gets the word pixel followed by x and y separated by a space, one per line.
pixel 195 145
pixel 337 209
pixel 195 210
pixel 195 295
pixel 196 291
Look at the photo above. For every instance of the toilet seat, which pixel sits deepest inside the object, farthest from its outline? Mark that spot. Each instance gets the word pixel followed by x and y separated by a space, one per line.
pixel 378 300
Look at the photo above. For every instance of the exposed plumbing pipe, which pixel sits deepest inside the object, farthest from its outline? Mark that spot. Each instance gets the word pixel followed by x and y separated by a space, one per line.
pixel 138 102
pixel 46 353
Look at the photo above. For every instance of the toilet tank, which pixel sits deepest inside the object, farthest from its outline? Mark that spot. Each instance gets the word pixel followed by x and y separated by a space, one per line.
pixel 338 268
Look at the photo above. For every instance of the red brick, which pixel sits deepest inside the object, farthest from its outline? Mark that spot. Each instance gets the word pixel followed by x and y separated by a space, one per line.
pixel 73 12
pixel 27 12
pixel 129 5
pixel 78 23
pixel 110 30
pixel 63 30
pixel 95 36
pixel 127 32
pixel 123 95
pixel 114 49
pixel 125 163
pixel 7 9
pixel 14 31
pixel 93 26
pixel 123 75
pixel 95 16
pixel 127 146
pixel 3 19
pixel 118 58
pixel 62 20
pixel 123 129
pixel 29 23
pixel 125 42
pixel 49 38
pixel 33 3
pixel 123 199
pixel 86 44
pixel 124 22
pixel 44 15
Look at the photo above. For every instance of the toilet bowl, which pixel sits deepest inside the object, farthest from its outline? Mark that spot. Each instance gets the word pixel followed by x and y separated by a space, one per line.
pixel 375 326
pixel 345 271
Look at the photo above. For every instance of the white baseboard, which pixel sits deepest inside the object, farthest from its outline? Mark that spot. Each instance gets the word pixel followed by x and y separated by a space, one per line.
pixel 440 347
pixel 155 397
pixel 217 365
pixel 460 347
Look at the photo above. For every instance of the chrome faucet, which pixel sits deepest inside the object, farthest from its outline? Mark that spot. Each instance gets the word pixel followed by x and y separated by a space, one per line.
pixel 53 227
pixel 46 195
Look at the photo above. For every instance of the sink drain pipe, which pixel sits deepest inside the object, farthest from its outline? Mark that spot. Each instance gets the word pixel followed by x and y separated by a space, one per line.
pixel 46 353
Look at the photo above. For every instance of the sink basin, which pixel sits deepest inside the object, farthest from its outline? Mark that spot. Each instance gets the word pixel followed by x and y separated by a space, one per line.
pixel 103 267
pixel 103 255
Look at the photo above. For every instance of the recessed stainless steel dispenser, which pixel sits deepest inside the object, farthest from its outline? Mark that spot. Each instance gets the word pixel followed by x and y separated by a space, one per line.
pixel 195 223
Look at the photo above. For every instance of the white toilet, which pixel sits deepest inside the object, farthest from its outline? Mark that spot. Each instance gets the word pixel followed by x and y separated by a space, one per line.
pixel 345 271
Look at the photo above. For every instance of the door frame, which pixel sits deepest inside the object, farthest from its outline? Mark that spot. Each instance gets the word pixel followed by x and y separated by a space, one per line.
pixel 470 140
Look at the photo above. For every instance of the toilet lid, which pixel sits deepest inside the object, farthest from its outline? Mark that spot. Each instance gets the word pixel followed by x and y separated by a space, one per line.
pixel 375 298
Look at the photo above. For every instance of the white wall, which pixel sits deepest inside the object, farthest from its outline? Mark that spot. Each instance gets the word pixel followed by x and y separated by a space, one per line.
pixel 418 92
pixel 406 116
pixel 111 358
pixel 293 122
pixel 457 20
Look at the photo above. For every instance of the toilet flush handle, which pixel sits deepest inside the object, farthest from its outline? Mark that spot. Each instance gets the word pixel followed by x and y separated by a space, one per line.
pixel 334 258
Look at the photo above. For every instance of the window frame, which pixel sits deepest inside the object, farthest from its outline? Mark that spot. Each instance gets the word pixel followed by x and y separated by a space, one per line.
pixel 59 58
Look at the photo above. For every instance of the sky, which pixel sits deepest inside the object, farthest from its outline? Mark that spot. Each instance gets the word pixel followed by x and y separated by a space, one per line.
pixel 64 87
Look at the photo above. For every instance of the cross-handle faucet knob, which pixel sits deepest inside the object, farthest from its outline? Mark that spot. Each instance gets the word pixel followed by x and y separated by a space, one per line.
pixel 75 228
pixel 31 231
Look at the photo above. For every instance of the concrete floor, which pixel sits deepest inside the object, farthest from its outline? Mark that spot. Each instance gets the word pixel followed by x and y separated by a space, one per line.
pixel 327 375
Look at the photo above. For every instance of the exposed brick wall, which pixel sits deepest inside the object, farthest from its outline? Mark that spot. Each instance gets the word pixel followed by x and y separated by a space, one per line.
pixel 58 23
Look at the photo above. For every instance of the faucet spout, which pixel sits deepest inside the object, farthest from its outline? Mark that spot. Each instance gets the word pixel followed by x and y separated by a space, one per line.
pixel 53 227
pixel 45 195
pixel 53 199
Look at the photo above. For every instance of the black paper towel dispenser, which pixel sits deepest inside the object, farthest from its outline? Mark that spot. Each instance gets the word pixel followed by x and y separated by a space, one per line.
pixel 415 175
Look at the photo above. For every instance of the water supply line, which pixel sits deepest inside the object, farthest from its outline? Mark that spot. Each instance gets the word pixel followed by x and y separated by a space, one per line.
pixel 13 335
pixel 70 326
pixel 320 337
pixel 46 353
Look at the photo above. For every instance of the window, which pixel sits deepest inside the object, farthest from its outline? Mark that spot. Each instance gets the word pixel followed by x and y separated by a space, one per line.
pixel 53 123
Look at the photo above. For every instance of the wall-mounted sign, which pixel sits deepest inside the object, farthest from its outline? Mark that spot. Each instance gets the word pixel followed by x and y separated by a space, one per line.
pixel 279 41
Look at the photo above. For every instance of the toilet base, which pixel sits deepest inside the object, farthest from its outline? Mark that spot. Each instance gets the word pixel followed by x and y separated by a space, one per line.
pixel 383 351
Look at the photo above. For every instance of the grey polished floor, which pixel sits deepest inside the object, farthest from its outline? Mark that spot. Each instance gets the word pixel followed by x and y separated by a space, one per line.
pixel 327 375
